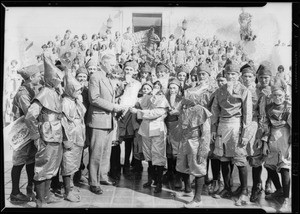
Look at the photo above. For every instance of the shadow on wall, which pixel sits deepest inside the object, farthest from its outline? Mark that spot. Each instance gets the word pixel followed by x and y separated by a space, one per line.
pixel 207 28
pixel 228 32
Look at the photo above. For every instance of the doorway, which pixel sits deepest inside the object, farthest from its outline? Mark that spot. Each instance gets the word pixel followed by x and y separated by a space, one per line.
pixel 143 21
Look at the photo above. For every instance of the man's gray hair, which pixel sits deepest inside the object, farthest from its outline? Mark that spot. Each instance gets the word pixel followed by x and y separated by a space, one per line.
pixel 107 57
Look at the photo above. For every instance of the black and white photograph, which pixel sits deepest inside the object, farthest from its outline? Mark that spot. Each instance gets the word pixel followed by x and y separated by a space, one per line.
pixel 148 107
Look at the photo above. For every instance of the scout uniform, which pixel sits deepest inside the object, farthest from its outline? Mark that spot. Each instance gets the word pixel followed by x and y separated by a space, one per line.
pixel 194 145
pixel 260 98
pixel 172 120
pixel 153 131
pixel 203 88
pixel 278 134
pixel 44 122
pixel 203 91
pixel 138 142
pixel 73 122
pixel 215 160
pixel 26 154
pixel 85 101
pixel 232 115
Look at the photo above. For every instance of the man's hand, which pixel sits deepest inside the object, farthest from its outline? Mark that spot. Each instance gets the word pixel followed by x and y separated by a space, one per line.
pixel 118 108
pixel 133 110
pixel 213 136
pixel 124 111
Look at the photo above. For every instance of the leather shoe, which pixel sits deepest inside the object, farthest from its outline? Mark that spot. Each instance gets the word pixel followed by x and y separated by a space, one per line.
pixel 255 193
pixel 96 190
pixel 19 197
pixel 52 199
pixel 237 192
pixel 112 183
pixel 225 193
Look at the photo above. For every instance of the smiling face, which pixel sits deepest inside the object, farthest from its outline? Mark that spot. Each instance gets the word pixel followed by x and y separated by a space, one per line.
pixel 92 69
pixel 129 72
pixel 232 76
pixel 81 77
pixel 278 96
pixel 160 73
pixel 146 89
pixel 264 80
pixel 109 64
pixel 181 76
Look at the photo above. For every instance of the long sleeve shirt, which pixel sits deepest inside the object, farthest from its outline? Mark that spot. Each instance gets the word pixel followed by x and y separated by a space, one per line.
pixel 153 113
pixel 263 99
pixel 277 116
pixel 44 117
pixel 21 102
pixel 236 104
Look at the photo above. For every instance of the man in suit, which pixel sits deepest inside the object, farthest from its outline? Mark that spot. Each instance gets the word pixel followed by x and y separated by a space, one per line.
pixel 100 121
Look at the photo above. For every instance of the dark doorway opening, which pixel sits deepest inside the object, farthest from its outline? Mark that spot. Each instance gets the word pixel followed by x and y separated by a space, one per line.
pixel 143 21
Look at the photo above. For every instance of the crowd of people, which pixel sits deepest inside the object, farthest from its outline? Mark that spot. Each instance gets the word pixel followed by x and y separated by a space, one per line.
pixel 175 103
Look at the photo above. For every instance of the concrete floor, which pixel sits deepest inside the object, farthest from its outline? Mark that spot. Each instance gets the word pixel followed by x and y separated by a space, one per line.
pixel 131 194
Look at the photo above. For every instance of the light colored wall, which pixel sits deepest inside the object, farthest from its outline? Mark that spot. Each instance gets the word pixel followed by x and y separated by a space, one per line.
pixel 40 25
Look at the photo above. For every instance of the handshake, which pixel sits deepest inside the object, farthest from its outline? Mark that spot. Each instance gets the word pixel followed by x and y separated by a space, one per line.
pixel 120 108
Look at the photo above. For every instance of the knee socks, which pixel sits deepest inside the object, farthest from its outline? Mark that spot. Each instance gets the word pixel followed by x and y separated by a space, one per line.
pixel 128 148
pixel 30 173
pixel 256 175
pixel 199 182
pixel 207 168
pixel 285 178
pixel 226 173
pixel 215 167
pixel 187 182
pixel 274 177
pixel 67 182
pixel 243 174
pixel 55 181
pixel 15 177
pixel 40 190
pixel 47 188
